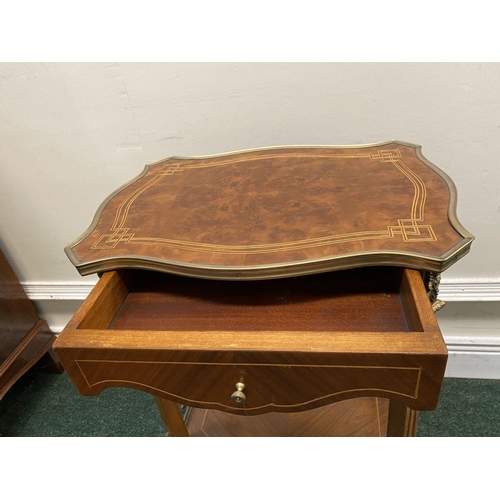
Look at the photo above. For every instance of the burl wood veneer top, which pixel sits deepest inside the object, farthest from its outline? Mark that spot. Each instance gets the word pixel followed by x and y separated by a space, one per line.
pixel 281 211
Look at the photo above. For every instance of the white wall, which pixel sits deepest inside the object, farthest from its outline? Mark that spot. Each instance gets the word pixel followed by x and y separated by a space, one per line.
pixel 73 132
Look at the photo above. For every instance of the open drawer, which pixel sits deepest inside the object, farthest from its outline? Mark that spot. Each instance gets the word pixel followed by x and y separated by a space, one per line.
pixel 295 343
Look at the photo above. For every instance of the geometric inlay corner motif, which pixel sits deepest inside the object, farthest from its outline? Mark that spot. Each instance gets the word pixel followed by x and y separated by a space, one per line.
pixel 411 231
pixel 112 239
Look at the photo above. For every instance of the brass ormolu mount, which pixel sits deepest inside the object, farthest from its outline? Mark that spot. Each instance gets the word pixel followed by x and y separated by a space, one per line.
pixel 432 280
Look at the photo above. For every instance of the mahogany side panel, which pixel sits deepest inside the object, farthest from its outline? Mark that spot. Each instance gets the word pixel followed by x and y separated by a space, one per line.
pixel 17 314
pixel 24 336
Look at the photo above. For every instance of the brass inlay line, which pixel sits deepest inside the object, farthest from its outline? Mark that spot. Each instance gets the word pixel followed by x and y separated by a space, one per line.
pixel 284 365
pixel 409 228
pixel 275 405
pixel 378 418
pixel 128 202
pixel 83 373
pixel 112 240
pixel 203 423
pixel 270 157
pixel 417 211
pixel 140 384
pixel 255 249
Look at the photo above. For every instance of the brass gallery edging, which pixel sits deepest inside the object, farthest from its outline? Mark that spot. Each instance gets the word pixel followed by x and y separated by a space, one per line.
pixel 452 211
pixel 290 146
pixel 299 268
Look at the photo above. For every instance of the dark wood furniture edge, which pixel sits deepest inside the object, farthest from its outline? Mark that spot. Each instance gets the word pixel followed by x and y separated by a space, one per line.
pixel 50 363
pixel 37 342
pixel 26 338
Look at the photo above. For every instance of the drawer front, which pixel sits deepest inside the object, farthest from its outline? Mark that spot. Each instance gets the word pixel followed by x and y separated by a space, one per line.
pixel 267 388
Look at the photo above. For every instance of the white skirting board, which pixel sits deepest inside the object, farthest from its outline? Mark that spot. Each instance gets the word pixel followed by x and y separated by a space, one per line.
pixel 473 357
pixel 479 290
pixel 470 321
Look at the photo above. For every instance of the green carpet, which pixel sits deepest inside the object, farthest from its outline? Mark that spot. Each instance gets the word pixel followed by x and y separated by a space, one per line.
pixel 467 407
pixel 43 404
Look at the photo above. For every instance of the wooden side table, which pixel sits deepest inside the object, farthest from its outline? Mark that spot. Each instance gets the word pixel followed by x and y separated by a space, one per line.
pixel 274 280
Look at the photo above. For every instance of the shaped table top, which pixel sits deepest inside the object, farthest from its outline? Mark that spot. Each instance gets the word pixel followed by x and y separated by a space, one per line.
pixel 276 212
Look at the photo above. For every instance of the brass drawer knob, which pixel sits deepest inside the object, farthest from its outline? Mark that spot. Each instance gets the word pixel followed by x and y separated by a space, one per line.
pixel 238 395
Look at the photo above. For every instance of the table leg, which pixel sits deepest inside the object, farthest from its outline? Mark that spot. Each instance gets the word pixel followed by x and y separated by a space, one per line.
pixel 402 421
pixel 171 417
pixel 49 363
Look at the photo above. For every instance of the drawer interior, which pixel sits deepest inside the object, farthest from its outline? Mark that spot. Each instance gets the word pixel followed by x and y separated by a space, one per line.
pixel 338 301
